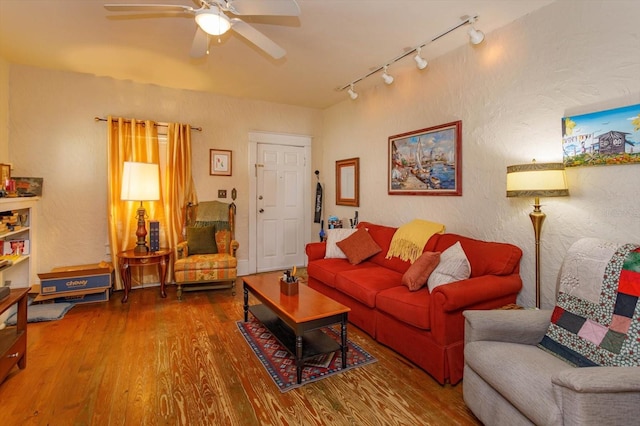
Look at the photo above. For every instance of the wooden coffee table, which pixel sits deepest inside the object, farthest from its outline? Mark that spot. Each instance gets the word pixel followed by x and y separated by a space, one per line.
pixel 296 320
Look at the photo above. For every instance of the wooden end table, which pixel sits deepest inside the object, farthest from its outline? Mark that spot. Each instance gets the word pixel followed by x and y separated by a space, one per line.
pixel 13 340
pixel 296 320
pixel 130 258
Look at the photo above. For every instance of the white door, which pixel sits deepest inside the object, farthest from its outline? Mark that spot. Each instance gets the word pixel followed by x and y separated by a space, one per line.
pixel 280 171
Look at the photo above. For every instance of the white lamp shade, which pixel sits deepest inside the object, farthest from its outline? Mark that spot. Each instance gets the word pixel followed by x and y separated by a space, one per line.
pixel 537 180
pixel 213 22
pixel 140 182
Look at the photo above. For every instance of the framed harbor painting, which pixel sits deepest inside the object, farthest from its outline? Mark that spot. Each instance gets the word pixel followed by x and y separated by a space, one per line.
pixel 602 138
pixel 426 161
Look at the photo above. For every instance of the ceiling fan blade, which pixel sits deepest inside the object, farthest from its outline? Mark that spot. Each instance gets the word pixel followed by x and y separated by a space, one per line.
pixel 139 7
pixel 200 44
pixel 264 7
pixel 257 38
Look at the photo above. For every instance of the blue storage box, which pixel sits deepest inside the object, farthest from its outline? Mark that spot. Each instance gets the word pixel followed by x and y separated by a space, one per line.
pixel 76 278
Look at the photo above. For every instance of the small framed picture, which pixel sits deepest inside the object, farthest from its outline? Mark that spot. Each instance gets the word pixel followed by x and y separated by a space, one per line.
pixel 219 162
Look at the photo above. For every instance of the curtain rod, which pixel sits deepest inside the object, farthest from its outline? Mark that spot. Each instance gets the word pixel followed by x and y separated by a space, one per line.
pixel 199 129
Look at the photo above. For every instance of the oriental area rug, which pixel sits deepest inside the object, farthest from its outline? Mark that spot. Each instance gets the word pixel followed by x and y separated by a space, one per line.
pixel 281 365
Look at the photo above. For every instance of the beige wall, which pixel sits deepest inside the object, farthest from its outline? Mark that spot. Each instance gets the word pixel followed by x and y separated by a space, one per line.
pixel 53 135
pixel 510 93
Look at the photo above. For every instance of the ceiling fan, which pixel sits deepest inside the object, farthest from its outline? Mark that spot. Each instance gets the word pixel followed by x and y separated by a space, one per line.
pixel 212 20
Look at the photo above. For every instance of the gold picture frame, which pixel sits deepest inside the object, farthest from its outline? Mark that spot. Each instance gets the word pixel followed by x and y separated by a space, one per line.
pixel 348 182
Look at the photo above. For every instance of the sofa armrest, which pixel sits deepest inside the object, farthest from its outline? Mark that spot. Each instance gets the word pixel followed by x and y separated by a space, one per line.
pixel 599 379
pixel 182 250
pixel 316 251
pixel 466 293
pixel 598 395
pixel 526 326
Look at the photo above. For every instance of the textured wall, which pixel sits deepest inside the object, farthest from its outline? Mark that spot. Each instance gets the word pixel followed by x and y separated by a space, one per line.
pixel 510 93
pixel 53 135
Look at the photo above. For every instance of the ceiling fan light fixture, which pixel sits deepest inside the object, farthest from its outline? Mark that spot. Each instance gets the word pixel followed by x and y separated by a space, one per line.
pixel 213 22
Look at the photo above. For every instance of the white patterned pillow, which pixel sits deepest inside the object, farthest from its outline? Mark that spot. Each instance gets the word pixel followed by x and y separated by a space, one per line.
pixel 453 266
pixel 333 236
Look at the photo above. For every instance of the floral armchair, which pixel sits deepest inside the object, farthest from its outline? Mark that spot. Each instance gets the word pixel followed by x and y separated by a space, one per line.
pixel 207 259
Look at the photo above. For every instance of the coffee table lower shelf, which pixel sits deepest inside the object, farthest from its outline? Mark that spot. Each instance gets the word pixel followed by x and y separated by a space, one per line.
pixel 314 342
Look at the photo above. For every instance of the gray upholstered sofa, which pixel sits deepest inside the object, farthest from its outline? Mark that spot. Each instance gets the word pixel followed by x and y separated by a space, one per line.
pixel 510 380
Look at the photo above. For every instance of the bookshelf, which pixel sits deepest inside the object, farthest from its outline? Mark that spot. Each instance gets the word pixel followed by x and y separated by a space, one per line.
pixel 20 268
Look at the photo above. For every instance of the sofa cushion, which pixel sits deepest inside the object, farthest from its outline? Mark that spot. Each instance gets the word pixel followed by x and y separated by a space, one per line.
pixel 417 275
pixel 201 240
pixel 326 270
pixel 333 236
pixel 411 307
pixel 485 258
pixel 453 266
pixel 522 373
pixel 359 246
pixel 363 284
pixel 382 235
pixel 594 321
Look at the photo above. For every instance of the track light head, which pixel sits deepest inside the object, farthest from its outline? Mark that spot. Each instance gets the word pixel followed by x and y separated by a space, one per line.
pixel 352 93
pixel 475 36
pixel 421 63
pixel 386 77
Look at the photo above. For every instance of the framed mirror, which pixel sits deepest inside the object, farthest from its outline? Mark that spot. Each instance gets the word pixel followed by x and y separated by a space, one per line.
pixel 348 182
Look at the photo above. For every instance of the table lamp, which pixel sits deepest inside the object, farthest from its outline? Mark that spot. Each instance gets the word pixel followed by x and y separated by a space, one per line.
pixel 537 180
pixel 140 182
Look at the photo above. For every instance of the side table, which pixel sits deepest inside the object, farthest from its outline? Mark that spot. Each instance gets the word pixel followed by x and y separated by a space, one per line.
pixel 13 340
pixel 129 258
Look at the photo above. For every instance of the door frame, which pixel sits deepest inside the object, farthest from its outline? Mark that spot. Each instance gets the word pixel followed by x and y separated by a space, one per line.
pixel 256 138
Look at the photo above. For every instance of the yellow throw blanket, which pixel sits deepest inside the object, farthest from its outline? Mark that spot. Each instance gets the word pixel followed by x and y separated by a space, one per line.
pixel 409 239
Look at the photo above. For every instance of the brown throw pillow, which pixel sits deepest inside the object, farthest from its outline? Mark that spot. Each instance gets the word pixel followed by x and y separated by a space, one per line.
pixel 201 240
pixel 359 246
pixel 418 273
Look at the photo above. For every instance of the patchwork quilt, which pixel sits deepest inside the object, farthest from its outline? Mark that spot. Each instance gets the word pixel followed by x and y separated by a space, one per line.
pixel 596 321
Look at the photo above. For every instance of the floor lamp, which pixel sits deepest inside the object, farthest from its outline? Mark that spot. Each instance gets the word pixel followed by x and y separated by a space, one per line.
pixel 537 180
pixel 140 182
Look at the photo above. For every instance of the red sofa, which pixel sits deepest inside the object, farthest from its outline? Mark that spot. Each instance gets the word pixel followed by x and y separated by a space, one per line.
pixel 427 328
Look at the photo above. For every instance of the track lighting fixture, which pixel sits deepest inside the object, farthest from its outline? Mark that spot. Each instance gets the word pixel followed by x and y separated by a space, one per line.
pixel 352 93
pixel 475 36
pixel 421 63
pixel 386 77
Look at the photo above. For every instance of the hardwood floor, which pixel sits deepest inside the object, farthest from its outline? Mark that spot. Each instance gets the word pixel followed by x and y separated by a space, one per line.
pixel 157 361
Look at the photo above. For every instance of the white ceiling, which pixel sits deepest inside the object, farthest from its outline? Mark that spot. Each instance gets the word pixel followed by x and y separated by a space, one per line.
pixel 332 43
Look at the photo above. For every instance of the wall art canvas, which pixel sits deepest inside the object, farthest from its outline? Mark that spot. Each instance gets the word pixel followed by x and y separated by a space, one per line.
pixel 602 138
pixel 426 161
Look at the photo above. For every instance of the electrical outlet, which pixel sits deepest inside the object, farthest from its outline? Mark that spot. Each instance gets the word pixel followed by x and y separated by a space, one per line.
pixel 222 193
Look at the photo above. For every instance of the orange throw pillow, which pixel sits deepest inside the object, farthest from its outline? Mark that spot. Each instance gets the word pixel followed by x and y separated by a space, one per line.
pixel 418 273
pixel 359 246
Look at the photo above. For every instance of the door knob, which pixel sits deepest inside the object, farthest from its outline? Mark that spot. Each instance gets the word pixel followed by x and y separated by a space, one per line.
pixel 261 210
pixel 260 197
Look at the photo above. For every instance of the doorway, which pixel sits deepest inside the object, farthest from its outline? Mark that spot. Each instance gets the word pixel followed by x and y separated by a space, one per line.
pixel 280 207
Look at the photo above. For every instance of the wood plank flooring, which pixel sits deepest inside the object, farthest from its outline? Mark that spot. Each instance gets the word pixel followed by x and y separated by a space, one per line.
pixel 157 361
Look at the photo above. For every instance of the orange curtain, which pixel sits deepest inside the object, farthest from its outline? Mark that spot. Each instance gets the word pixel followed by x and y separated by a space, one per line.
pixel 178 187
pixel 129 140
